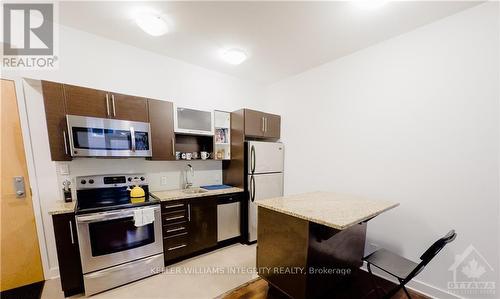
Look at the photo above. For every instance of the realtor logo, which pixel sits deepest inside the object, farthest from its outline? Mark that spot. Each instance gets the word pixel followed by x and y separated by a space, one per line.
pixel 28 28
pixel 29 40
pixel 472 274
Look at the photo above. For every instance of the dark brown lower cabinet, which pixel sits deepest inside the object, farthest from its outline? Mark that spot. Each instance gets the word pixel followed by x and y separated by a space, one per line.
pixel 188 226
pixel 68 253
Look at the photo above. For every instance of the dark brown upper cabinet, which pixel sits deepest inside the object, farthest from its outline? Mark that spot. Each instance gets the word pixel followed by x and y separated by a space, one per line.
pixel 128 107
pixel 254 123
pixel 55 113
pixel 161 119
pixel 261 125
pixel 87 101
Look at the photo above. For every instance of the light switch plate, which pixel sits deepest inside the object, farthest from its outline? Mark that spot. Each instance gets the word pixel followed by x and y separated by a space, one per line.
pixel 64 169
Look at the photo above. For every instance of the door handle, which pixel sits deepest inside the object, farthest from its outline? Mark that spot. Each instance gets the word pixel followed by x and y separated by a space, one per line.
pixel 132 138
pixel 19 186
pixel 71 232
pixel 263 125
pixel 107 105
pixel 65 142
pixel 252 188
pixel 252 159
pixel 113 102
pixel 173 147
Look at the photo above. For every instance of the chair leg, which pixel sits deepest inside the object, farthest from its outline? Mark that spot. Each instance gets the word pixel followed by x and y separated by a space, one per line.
pixel 375 287
pixel 406 291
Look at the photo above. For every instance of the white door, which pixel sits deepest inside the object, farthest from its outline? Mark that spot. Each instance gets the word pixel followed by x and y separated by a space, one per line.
pixel 265 157
pixel 261 186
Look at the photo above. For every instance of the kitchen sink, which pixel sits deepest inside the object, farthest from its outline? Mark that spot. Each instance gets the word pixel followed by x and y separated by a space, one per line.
pixel 194 191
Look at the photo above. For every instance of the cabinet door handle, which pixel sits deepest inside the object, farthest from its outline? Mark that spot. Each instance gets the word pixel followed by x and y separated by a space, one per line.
pixel 174 206
pixel 71 232
pixel 189 212
pixel 177 247
pixel 173 147
pixel 174 218
pixel 65 142
pixel 107 105
pixel 113 102
pixel 263 124
pixel 175 229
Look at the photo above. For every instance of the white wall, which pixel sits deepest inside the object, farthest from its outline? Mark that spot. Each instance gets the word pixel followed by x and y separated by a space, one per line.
pixel 414 119
pixel 96 62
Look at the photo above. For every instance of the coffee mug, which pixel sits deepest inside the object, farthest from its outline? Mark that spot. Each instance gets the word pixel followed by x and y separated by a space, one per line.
pixel 205 155
pixel 189 156
pixel 195 155
pixel 177 155
pixel 183 156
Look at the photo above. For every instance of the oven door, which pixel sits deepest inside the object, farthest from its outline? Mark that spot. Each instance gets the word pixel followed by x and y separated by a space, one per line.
pixel 111 238
pixel 97 137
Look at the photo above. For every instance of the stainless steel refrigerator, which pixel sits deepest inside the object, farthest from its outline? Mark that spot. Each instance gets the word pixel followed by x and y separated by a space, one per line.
pixel 264 177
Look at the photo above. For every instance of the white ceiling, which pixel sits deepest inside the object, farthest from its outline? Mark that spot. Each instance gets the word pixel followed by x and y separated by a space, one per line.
pixel 281 38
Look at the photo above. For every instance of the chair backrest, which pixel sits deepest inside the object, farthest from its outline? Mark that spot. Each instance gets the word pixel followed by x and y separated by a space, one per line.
pixel 432 251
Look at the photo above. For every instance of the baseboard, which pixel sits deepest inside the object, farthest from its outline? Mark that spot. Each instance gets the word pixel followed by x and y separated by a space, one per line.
pixel 53 273
pixel 418 286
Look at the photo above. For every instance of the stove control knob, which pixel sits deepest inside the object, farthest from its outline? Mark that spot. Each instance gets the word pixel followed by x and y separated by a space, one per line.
pixel 129 179
pixel 136 178
pixel 142 178
pixel 91 181
pixel 83 182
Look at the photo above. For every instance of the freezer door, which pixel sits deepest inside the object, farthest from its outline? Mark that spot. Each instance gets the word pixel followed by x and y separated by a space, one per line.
pixel 265 157
pixel 261 186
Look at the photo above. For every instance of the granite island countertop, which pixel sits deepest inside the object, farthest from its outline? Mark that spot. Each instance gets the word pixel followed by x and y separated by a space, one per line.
pixel 177 194
pixel 62 207
pixel 335 210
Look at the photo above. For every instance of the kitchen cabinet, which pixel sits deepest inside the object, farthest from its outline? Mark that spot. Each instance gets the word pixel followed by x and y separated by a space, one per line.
pixel 261 125
pixel 189 226
pixel 68 253
pixel 128 107
pixel 272 126
pixel 55 114
pixel 254 123
pixel 161 119
pixel 203 223
pixel 87 101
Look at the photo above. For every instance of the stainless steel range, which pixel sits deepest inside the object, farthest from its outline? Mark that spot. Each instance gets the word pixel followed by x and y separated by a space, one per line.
pixel 119 241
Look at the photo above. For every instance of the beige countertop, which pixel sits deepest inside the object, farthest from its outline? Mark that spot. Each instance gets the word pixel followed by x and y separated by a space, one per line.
pixel 179 194
pixel 335 210
pixel 62 207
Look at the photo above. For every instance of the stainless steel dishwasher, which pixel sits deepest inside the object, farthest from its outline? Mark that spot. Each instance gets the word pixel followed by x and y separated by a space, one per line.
pixel 228 216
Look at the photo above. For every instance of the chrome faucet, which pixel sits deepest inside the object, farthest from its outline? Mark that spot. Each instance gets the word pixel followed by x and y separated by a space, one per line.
pixel 189 172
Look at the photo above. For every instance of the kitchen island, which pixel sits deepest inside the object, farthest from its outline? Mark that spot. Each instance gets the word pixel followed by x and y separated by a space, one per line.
pixel 309 243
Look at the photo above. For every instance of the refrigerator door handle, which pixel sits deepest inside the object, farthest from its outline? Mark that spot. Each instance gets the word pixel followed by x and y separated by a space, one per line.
pixel 252 188
pixel 252 159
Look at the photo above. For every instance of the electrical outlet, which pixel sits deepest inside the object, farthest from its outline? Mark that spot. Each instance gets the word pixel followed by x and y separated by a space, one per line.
pixel 163 180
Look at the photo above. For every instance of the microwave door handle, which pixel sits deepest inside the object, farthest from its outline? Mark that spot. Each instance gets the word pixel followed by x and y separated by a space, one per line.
pixel 132 138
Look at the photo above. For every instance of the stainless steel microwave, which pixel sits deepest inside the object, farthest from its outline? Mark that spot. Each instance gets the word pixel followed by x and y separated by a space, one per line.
pixel 103 137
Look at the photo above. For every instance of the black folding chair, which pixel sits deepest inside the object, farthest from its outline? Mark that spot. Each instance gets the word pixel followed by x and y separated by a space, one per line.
pixel 401 268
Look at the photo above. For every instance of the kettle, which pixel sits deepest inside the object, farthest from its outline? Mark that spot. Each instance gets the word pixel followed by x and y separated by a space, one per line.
pixel 137 194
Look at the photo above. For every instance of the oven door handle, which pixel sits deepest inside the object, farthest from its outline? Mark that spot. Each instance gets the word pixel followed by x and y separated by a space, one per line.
pixel 108 216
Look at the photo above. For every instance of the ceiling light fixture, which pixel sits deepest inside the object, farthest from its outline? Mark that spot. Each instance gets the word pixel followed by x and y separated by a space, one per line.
pixel 370 4
pixel 234 56
pixel 153 24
